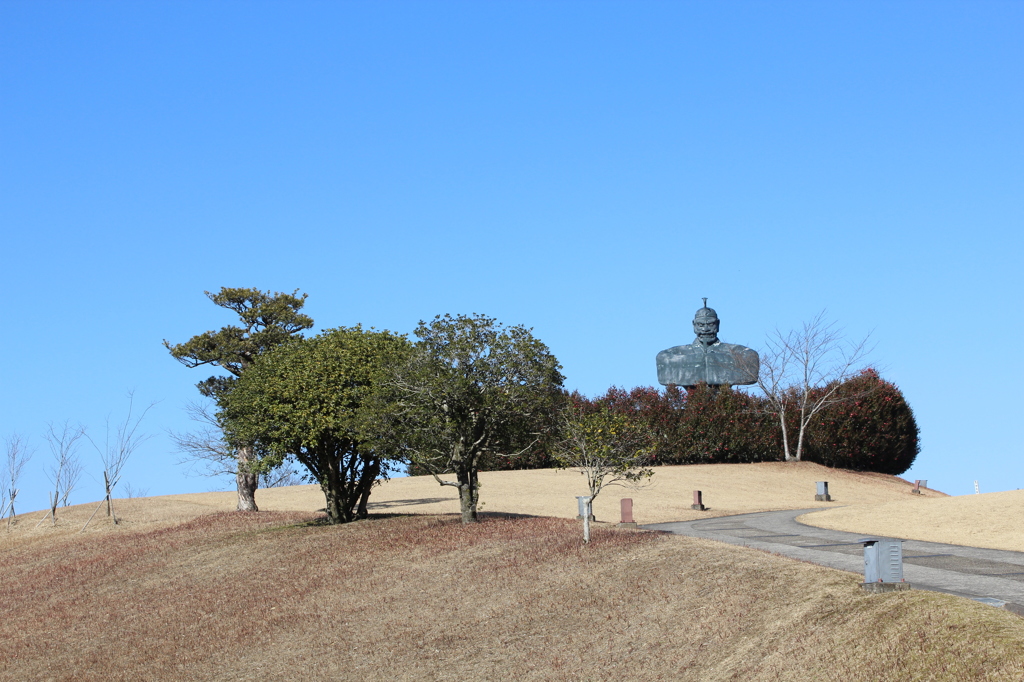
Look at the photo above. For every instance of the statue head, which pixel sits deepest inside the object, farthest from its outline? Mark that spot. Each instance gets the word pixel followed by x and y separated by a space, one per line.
pixel 705 325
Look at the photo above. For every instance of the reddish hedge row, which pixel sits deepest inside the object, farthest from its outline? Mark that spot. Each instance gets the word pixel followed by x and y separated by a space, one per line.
pixel 873 429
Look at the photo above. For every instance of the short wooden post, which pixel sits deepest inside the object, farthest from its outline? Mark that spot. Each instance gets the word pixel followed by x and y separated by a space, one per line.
pixel 698 501
pixel 626 506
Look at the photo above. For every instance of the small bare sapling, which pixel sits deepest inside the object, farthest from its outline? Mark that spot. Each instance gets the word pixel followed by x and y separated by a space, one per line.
pixel 16 455
pixel 65 470
pixel 119 444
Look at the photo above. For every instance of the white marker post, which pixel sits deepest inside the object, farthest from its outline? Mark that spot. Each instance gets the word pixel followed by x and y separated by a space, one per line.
pixel 586 519
pixel 977 491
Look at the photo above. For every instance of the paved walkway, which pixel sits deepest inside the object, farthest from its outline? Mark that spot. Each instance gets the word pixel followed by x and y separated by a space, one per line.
pixel 992 576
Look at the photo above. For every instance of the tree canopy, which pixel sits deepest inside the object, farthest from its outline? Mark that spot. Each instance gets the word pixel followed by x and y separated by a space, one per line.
pixel 609 447
pixel 267 320
pixel 308 399
pixel 471 388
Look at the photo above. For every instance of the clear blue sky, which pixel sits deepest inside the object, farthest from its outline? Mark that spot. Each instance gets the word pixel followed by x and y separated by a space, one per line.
pixel 589 169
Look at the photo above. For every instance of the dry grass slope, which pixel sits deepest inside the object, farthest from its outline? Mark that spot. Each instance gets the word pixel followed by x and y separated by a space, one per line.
pixel 728 489
pixel 989 520
pixel 271 596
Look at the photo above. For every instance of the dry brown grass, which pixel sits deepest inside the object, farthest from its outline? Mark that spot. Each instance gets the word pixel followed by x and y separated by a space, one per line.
pixel 990 520
pixel 728 489
pixel 862 502
pixel 268 596
pixel 871 503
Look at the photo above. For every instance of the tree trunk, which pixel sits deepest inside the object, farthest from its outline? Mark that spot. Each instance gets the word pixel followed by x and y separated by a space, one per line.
pixel 336 512
pixel 785 435
pixel 246 482
pixel 469 493
pixel 800 436
pixel 369 476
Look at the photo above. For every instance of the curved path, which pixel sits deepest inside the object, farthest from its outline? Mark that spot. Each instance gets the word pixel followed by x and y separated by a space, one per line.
pixel 992 576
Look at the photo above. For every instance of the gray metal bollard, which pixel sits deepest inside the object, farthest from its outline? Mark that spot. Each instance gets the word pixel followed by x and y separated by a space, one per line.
pixel 587 514
pixel 883 565
pixel 583 501
pixel 822 495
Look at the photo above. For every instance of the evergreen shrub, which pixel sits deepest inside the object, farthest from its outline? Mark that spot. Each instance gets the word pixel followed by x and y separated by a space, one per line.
pixel 872 430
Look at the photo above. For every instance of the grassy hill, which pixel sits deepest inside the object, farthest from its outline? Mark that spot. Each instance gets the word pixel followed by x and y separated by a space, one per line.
pixel 183 590
pixel 727 488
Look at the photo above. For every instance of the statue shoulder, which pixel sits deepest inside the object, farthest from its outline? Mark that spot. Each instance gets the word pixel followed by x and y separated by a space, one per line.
pixel 677 351
pixel 734 348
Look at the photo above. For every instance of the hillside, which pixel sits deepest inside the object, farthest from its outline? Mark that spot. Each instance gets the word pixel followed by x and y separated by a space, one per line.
pixel 988 520
pixel 272 596
pixel 862 502
pixel 184 588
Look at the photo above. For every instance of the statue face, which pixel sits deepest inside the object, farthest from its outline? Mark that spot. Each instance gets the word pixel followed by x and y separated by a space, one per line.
pixel 706 329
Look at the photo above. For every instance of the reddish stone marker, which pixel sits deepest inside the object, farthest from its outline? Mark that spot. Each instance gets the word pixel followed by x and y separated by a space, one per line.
pixel 626 504
pixel 698 502
pixel 627 510
pixel 917 488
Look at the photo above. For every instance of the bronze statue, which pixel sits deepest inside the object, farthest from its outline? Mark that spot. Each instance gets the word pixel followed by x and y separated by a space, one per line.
pixel 707 360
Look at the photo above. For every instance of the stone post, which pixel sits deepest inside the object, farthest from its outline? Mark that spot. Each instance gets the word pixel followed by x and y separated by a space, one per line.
pixel 698 501
pixel 626 505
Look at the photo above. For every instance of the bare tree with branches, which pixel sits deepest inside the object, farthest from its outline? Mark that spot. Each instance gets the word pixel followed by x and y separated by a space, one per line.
pixel 66 470
pixel 118 447
pixel 801 372
pixel 130 491
pixel 207 453
pixel 204 448
pixel 16 455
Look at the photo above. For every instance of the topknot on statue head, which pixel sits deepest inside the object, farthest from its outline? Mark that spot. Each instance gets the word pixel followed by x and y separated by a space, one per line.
pixel 706 313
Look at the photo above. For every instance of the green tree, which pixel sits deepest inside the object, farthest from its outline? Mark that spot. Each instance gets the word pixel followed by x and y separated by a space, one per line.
pixel 607 446
pixel 267 321
pixel 307 399
pixel 472 388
